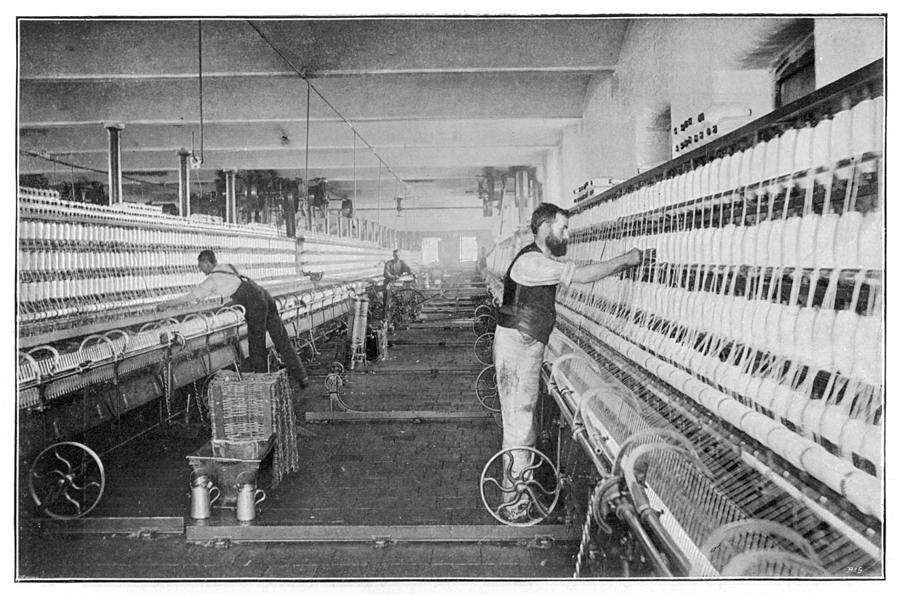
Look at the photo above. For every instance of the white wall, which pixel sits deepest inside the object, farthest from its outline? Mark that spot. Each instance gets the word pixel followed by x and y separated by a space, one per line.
pixel 680 63
pixel 846 44
pixel 550 176
pixel 435 220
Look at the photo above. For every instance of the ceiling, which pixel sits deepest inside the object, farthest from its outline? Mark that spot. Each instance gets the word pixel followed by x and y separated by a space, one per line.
pixel 439 100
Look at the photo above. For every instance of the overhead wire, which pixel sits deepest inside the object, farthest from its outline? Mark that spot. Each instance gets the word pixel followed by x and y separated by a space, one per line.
pixel 86 168
pixel 328 103
pixel 306 154
pixel 200 76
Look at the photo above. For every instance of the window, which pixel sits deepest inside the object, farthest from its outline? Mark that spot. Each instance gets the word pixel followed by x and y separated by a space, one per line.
pixel 795 72
pixel 468 248
pixel 430 247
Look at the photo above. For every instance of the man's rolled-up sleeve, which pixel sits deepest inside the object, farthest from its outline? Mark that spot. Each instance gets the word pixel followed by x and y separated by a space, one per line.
pixel 533 269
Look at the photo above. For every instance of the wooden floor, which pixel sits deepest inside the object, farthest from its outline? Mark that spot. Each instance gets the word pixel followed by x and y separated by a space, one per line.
pixel 387 473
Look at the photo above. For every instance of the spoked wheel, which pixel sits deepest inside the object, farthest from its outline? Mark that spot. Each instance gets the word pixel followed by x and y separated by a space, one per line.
pixel 485 323
pixel 66 480
pixel 483 309
pixel 522 497
pixel 486 389
pixel 484 349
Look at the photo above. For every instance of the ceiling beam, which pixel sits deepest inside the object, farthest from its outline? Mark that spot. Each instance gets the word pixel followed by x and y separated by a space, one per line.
pixel 362 120
pixel 319 47
pixel 100 78
pixel 347 149
pixel 451 95
pixel 409 133
pixel 295 159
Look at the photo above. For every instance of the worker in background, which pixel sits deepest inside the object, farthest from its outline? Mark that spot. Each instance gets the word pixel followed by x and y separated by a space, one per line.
pixel 526 319
pixel 395 268
pixel 260 312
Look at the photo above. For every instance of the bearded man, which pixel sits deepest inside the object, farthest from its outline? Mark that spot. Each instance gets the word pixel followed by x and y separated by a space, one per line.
pixel 527 317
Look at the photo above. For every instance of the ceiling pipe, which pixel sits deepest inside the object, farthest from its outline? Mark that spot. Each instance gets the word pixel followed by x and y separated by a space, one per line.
pixel 230 196
pixel 197 160
pixel 302 75
pixel 184 184
pixel 114 152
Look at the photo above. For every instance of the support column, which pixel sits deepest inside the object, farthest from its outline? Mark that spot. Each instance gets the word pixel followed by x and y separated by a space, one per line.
pixel 289 214
pixel 184 184
pixel 551 179
pixel 114 150
pixel 230 197
pixel 522 195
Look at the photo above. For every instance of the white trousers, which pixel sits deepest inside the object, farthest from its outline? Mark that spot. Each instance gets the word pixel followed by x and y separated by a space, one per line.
pixel 517 362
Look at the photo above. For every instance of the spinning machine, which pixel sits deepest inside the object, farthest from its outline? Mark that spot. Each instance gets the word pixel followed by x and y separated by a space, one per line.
pixel 728 393
pixel 93 350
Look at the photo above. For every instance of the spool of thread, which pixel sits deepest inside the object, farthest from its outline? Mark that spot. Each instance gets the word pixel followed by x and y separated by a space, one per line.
pixel 725 179
pixel 850 437
pixel 864 133
pixel 714 179
pixel 872 448
pixel 771 329
pixel 785 158
pixel 812 417
pixel 821 144
pixel 748 245
pixel 823 346
pixel 735 316
pixel 846 252
pixel 775 256
pixel 867 350
pixel 843 339
pixel 871 242
pixel 789 241
pixel 717 318
pixel 747 320
pixel 727 246
pixel 804 335
pixel 806 241
pixel 715 244
pixel 826 233
pixel 765 394
pixel 762 244
pixel 841 136
pixel 786 328
pixel 747 172
pixel 737 245
pixel 782 400
pixel 734 172
pixel 770 167
pixel 761 314
pixel 803 149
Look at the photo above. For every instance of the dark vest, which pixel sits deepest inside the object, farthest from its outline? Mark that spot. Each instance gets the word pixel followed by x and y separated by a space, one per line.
pixel 531 310
pixel 248 294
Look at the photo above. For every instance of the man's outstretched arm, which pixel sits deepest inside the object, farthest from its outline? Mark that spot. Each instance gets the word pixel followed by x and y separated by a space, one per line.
pixel 594 272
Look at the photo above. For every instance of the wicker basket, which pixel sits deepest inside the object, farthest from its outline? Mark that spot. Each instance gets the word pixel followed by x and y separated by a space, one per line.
pixel 242 412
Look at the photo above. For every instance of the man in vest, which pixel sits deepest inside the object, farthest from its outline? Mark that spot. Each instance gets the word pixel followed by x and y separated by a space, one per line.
pixel 526 319
pixel 260 312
